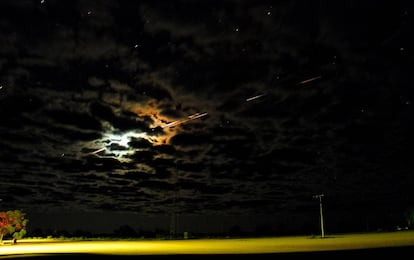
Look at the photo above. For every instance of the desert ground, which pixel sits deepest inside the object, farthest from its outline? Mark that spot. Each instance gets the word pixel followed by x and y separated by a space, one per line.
pixel 209 247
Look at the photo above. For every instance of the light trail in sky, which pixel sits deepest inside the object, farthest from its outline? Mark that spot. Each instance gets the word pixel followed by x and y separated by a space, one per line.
pixel 255 97
pixel 310 80
pixel 189 118
pixel 99 150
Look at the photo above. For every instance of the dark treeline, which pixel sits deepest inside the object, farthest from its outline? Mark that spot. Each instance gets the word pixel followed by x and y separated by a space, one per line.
pixel 265 230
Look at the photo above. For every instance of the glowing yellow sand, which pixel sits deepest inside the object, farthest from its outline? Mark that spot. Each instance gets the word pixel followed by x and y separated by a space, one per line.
pixel 213 246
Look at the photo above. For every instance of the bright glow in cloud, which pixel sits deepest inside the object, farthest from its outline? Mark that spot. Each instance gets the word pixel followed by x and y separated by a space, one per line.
pixel 122 140
pixel 168 124
pixel 150 109
pixel 106 149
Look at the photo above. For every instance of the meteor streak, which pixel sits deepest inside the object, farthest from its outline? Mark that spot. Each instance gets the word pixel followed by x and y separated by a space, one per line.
pixel 310 80
pixel 189 118
pixel 255 97
pixel 99 150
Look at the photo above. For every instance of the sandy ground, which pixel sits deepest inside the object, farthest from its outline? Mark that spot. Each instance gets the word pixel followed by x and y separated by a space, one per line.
pixel 240 246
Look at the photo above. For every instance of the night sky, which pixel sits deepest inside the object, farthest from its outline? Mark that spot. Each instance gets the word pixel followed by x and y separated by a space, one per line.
pixel 219 113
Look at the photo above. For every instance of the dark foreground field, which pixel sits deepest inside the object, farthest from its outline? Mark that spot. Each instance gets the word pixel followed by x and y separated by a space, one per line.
pixel 392 244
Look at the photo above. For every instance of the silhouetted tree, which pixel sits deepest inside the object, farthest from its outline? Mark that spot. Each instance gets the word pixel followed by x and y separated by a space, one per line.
pixel 264 229
pixel 37 232
pixel 125 231
pixel 82 233
pixel 235 230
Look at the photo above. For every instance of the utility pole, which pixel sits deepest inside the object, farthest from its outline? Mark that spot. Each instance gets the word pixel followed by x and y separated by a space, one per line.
pixel 319 196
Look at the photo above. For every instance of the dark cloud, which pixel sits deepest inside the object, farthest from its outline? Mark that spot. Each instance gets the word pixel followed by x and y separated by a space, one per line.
pixel 206 107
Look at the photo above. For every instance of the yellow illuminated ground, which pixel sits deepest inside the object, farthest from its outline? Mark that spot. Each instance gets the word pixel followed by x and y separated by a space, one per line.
pixel 213 246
